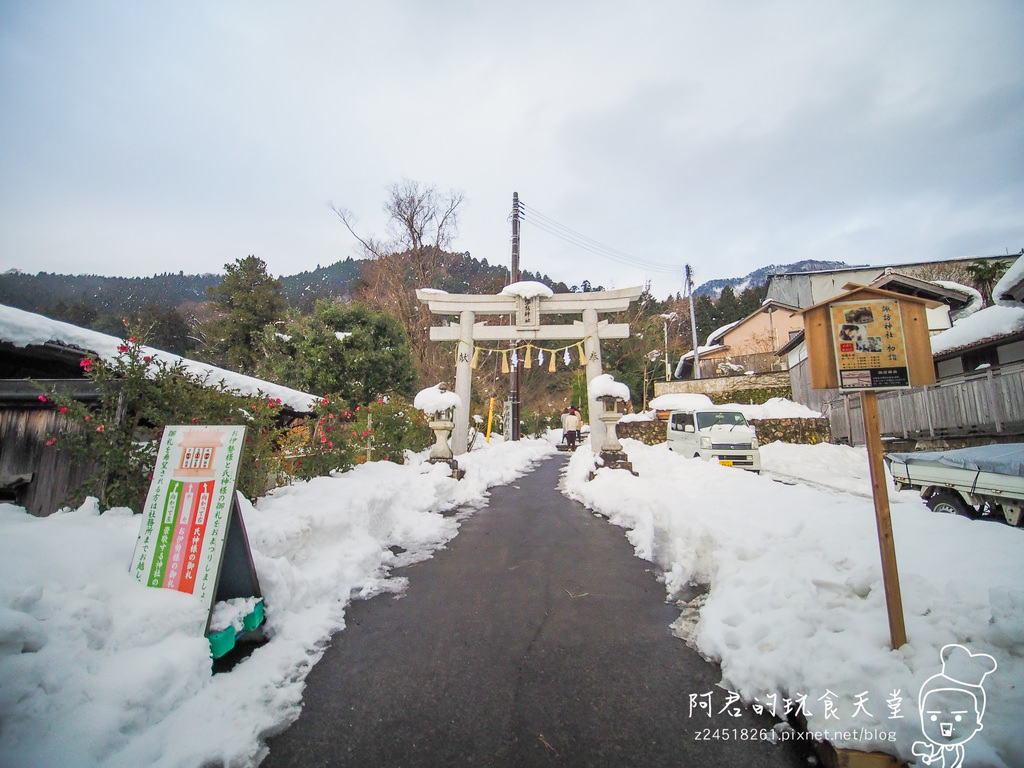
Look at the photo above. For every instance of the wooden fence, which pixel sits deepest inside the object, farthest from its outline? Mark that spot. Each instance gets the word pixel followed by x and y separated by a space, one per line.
pixel 982 403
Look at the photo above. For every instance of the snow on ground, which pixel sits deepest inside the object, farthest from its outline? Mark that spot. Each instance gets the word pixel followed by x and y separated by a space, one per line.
pixel 796 607
pixel 98 670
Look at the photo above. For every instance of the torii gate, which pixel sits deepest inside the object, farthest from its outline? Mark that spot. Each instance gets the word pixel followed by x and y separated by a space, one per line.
pixel 527 311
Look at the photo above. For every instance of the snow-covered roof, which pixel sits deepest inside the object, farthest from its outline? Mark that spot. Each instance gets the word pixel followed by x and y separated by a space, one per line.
pixel 22 329
pixel 528 289
pixel 1010 288
pixel 605 385
pixel 977 301
pixel 988 324
pixel 716 335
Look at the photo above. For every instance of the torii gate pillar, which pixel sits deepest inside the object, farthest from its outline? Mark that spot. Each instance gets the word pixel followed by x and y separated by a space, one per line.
pixel 592 350
pixel 463 381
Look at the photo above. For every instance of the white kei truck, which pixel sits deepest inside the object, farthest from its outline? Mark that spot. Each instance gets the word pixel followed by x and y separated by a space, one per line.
pixel 714 433
pixel 984 481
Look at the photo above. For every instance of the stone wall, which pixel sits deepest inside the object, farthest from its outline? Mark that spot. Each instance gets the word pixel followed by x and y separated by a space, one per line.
pixel 803 431
pixel 649 432
pixel 806 431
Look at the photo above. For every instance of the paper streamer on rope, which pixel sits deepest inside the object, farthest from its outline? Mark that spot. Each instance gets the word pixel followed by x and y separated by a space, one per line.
pixel 583 357
pixel 476 358
pixel 515 357
pixel 551 365
pixel 504 361
pixel 528 360
pixel 567 358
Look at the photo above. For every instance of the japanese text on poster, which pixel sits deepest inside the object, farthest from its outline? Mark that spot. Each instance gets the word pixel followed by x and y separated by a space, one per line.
pixel 870 350
pixel 188 508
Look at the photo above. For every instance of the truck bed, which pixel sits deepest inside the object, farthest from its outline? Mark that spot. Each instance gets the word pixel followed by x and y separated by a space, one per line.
pixel 993 470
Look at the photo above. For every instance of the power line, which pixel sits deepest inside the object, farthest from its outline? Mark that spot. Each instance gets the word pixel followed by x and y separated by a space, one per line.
pixel 537 219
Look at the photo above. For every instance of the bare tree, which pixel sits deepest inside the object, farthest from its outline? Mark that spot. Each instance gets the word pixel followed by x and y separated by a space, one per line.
pixel 422 224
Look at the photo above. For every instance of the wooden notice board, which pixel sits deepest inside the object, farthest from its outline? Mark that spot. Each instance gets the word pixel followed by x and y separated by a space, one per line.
pixel 869 339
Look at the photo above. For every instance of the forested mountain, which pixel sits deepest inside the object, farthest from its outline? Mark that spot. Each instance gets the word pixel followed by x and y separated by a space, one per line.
pixel 103 295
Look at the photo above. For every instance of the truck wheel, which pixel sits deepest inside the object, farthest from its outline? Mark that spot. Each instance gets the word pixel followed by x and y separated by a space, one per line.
pixel 950 503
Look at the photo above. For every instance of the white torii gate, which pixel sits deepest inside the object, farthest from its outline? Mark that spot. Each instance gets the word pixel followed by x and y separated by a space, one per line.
pixel 527 312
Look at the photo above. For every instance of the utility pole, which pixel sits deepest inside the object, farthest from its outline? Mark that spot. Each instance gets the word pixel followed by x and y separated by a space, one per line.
pixel 514 374
pixel 693 323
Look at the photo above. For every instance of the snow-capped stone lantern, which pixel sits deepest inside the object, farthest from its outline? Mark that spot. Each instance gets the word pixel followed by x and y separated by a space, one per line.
pixel 604 389
pixel 439 403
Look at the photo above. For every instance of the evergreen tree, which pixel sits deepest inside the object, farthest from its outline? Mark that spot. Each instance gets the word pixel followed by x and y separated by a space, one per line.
pixel 985 275
pixel 248 299
pixel 344 349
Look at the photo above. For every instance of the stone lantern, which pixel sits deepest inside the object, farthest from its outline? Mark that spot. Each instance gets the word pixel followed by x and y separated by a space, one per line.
pixel 609 393
pixel 440 404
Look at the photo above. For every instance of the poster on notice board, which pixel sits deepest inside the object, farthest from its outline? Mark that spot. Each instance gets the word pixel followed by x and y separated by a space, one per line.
pixel 869 344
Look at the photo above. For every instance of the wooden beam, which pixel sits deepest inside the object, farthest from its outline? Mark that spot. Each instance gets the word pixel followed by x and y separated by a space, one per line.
pixel 561 303
pixel 484 332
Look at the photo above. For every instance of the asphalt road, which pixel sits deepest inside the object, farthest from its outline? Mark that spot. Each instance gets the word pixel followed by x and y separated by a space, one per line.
pixel 536 638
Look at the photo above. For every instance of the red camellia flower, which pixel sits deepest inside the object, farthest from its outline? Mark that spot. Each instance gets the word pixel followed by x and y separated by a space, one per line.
pixel 63 409
pixel 122 348
pixel 88 417
pixel 99 428
pixel 42 398
pixel 323 439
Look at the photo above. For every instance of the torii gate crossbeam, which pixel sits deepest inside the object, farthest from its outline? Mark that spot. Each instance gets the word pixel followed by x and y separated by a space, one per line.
pixel 527 312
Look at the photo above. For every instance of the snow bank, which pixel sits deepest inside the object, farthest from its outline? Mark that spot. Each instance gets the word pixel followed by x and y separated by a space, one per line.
pixel 528 289
pixel 796 605
pixel 434 399
pixel 98 670
pixel 605 385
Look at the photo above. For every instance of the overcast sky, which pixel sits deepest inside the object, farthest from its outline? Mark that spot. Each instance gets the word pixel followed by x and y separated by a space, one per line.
pixel 144 137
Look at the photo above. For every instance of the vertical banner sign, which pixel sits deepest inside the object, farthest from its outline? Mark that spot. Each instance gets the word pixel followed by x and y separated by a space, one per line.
pixel 870 351
pixel 189 510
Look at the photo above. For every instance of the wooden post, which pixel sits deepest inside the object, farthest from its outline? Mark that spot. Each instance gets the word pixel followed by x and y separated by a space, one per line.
pixel 890 576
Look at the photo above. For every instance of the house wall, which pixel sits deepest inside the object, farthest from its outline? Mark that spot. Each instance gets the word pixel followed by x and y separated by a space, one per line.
pixel 23 449
pixel 764 332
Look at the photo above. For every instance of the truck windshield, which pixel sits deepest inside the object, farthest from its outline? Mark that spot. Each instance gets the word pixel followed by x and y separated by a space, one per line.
pixel 723 418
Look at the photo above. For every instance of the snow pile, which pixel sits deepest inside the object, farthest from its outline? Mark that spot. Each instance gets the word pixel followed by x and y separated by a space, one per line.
pixel 605 385
pixel 528 289
pixel 98 670
pixel 680 401
pixel 796 605
pixel 434 399
pixel 24 328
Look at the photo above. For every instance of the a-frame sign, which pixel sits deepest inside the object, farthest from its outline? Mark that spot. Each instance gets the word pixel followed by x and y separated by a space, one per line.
pixel 192 538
